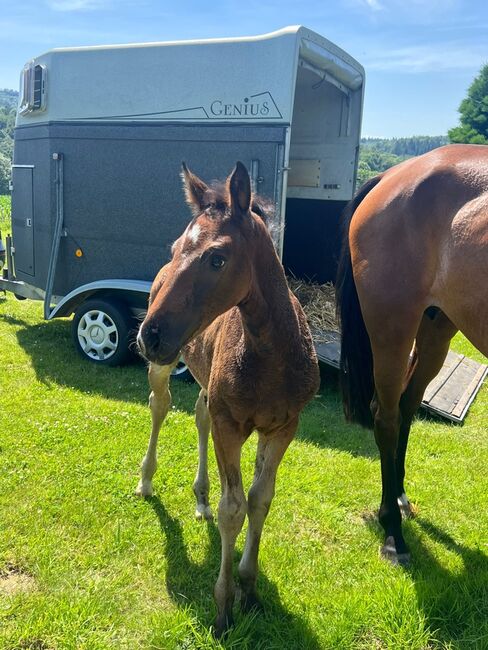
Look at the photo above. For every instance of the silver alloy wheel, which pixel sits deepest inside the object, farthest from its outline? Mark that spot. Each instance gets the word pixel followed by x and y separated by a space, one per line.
pixel 97 335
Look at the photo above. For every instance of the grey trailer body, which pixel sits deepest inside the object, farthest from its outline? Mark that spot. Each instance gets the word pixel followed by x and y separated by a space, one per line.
pixel 99 140
pixel 101 133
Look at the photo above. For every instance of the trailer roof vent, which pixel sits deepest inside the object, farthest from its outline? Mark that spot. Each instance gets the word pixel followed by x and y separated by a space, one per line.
pixel 32 88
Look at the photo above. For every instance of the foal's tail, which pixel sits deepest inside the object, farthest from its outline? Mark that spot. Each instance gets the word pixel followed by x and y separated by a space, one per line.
pixel 356 368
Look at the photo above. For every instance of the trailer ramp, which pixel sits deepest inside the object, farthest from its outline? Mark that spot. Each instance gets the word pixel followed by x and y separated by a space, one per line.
pixel 449 395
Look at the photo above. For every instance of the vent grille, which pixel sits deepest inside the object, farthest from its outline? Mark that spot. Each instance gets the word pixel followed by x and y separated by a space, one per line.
pixel 32 88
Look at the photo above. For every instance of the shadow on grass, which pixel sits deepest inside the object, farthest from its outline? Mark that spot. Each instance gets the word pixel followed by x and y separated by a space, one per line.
pixel 55 360
pixel 191 585
pixel 454 603
pixel 323 423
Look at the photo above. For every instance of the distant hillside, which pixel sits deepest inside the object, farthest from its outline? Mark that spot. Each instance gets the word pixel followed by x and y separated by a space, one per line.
pixel 8 107
pixel 413 146
pixel 379 154
pixel 8 98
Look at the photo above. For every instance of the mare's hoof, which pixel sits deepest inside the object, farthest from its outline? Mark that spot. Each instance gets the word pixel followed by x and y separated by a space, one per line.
pixel 388 552
pixel 144 489
pixel 203 512
pixel 251 603
pixel 222 624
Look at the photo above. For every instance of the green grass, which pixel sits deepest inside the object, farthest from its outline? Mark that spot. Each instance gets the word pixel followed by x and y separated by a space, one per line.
pixel 108 570
pixel 5 225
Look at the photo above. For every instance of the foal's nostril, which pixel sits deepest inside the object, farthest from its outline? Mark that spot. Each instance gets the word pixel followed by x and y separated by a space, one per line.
pixel 150 337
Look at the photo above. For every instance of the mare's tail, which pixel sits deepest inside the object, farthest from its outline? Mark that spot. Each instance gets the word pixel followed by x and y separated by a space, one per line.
pixel 356 369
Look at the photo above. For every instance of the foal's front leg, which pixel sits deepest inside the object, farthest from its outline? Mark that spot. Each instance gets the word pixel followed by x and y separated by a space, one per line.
pixel 201 486
pixel 159 403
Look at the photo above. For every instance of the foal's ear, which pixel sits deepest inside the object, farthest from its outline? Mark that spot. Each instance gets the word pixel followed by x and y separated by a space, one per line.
pixel 239 190
pixel 194 189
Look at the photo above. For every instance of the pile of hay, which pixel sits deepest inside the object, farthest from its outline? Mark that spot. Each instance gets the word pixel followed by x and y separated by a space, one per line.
pixel 318 302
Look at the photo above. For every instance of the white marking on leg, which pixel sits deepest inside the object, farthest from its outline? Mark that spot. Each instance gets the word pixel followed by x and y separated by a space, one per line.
pixel 201 486
pixel 403 500
pixel 405 506
pixel 159 403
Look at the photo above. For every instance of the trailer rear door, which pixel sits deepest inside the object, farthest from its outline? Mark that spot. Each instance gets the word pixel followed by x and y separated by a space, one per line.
pixel 23 218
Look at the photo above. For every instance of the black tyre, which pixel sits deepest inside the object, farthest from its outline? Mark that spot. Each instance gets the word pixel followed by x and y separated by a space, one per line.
pixel 102 332
pixel 181 372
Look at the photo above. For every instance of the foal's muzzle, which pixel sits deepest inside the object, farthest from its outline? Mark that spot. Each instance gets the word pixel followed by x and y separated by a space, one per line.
pixel 154 346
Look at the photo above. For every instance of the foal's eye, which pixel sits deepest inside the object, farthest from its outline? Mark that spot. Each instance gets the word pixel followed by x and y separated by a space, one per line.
pixel 217 261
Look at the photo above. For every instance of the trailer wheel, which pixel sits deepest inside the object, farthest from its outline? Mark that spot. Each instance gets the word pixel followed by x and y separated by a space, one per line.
pixel 181 372
pixel 102 332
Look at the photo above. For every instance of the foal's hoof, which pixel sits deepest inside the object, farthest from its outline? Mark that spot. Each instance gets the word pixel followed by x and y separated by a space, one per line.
pixel 144 489
pixel 251 603
pixel 388 552
pixel 203 512
pixel 222 624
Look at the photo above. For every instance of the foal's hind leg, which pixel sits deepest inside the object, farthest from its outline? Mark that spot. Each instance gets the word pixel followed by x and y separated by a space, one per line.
pixel 432 346
pixel 201 485
pixel 231 514
pixel 269 454
pixel 159 403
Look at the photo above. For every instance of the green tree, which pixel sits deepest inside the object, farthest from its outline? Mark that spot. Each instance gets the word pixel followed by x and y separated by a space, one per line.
pixel 373 160
pixel 474 113
pixel 4 174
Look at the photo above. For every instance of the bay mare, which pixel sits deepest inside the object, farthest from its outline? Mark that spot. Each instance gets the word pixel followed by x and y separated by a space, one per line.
pixel 224 302
pixel 414 271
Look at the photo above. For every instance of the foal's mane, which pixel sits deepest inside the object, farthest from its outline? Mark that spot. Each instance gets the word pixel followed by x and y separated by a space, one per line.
pixel 218 202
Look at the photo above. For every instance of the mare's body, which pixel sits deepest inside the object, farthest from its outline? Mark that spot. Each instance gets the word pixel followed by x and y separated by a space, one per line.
pixel 414 271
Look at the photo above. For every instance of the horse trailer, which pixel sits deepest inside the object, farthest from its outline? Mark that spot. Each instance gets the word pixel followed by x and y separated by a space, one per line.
pixel 99 139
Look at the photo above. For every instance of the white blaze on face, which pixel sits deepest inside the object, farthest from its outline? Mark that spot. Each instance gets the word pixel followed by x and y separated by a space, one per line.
pixel 194 233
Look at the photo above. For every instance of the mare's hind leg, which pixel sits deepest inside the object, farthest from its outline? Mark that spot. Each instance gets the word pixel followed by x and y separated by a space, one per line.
pixel 159 403
pixel 201 485
pixel 391 342
pixel 432 346
pixel 269 454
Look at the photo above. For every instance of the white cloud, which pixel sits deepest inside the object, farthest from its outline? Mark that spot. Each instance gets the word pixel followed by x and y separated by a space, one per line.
pixel 427 58
pixel 75 5
pixel 413 11
pixel 373 4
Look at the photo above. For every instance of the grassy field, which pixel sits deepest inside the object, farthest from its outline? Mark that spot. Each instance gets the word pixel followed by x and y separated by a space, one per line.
pixel 5 226
pixel 85 564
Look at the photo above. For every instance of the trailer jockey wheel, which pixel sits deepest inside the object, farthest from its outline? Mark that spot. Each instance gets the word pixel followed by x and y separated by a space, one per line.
pixel 102 332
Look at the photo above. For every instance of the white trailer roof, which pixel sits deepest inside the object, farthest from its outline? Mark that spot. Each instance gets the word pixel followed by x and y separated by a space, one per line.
pixel 245 80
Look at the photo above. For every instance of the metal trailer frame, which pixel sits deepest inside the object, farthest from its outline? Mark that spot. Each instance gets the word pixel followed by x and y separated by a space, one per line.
pixel 120 118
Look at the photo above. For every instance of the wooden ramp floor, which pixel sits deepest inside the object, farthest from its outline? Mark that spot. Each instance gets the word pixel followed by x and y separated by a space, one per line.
pixel 449 394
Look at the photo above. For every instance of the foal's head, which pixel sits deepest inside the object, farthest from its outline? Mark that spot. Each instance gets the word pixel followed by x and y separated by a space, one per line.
pixel 211 266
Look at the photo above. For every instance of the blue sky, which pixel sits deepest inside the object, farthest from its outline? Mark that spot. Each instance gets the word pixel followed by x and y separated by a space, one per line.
pixel 420 55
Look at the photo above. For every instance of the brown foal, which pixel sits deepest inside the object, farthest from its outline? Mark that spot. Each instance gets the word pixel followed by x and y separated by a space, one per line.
pixel 414 271
pixel 223 302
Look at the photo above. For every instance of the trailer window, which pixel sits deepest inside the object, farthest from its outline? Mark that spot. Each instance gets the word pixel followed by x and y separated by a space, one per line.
pixel 32 88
